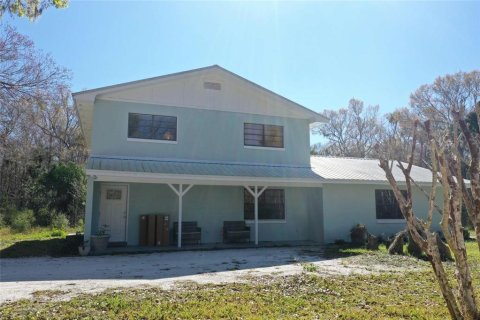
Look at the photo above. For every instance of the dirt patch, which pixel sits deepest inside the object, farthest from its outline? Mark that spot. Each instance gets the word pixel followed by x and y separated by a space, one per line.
pixel 63 278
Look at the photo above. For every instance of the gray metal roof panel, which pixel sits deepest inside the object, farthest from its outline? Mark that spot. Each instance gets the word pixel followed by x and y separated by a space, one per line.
pixel 323 169
pixel 191 167
pixel 351 169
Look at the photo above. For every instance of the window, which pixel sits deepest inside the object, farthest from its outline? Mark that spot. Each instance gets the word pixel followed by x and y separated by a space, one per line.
pixel 114 194
pixel 263 135
pixel 387 206
pixel 271 205
pixel 153 127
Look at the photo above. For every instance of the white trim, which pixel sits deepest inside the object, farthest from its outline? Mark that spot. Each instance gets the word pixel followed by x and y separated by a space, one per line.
pixel 371 182
pixel 395 221
pixel 153 140
pixel 264 148
pixel 127 202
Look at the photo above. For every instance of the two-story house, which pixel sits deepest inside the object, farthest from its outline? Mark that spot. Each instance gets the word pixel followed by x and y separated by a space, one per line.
pixel 209 146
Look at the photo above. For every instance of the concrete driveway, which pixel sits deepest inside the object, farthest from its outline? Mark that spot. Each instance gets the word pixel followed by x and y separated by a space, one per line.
pixel 19 278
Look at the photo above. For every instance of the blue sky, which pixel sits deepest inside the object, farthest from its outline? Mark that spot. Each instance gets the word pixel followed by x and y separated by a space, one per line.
pixel 319 54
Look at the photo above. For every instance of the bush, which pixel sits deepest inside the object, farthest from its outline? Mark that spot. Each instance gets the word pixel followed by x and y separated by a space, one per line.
pixel 58 233
pixel 22 221
pixel 44 217
pixel 59 222
pixel 6 214
pixel 358 234
pixel 64 188
pixel 80 224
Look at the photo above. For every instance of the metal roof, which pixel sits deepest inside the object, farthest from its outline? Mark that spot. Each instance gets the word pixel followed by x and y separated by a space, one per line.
pixel 322 169
pixel 356 169
pixel 207 168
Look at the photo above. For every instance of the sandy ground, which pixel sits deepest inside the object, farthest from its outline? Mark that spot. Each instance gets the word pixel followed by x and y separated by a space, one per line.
pixel 19 278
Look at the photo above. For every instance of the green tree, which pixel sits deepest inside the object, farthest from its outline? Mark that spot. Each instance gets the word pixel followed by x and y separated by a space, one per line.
pixel 64 186
pixel 31 9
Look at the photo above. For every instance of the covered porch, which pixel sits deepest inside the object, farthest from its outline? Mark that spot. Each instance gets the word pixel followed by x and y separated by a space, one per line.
pixel 209 200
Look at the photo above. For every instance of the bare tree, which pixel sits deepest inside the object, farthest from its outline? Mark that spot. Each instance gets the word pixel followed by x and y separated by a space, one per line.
pixel 397 137
pixel 25 72
pixel 38 124
pixel 351 131
pixel 451 144
pixel 31 9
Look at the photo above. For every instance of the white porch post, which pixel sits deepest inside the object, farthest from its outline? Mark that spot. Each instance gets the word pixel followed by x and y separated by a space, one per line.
pixel 87 232
pixel 180 212
pixel 256 215
pixel 180 193
pixel 256 194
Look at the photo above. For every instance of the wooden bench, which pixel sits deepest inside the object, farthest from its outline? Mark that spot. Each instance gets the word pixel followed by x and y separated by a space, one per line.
pixel 236 231
pixel 191 232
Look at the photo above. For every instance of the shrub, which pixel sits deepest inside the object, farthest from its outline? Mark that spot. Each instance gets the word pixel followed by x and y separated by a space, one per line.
pixel 44 217
pixel 22 221
pixel 80 224
pixel 6 214
pixel 64 187
pixel 59 222
pixel 413 249
pixel 358 234
pixel 58 233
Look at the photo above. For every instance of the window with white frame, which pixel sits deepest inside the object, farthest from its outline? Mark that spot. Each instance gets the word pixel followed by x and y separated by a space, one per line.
pixel 152 127
pixel 271 205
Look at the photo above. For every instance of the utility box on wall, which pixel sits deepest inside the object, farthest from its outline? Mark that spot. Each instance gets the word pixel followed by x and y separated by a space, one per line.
pixel 154 230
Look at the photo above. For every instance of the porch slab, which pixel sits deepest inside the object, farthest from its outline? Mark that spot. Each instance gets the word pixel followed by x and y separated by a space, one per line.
pixel 207 247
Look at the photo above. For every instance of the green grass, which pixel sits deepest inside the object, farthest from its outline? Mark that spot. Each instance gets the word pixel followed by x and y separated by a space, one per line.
pixel 39 241
pixel 409 295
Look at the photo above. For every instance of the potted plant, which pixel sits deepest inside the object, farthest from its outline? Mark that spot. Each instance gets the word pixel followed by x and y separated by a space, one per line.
pixel 84 249
pixel 100 240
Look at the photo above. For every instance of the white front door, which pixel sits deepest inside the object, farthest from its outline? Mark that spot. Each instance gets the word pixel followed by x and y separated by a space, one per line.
pixel 113 211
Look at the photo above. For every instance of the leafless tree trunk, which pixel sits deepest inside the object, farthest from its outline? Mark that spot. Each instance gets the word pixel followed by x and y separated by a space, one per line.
pixel 446 170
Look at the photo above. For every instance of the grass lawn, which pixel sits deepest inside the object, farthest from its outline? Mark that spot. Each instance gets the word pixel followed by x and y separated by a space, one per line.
pixel 39 241
pixel 397 295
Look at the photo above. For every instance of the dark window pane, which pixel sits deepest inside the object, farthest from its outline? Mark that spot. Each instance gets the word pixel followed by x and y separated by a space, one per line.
pixel 261 135
pixel 271 205
pixel 386 205
pixel 155 127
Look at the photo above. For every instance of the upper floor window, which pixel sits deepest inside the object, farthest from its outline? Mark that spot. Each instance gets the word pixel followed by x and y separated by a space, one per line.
pixel 387 205
pixel 263 135
pixel 153 127
pixel 271 205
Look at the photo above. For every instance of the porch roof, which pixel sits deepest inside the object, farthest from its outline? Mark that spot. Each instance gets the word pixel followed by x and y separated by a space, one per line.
pixel 193 168
pixel 338 169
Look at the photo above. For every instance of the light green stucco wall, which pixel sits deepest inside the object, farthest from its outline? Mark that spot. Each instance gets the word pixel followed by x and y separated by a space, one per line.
pixel 202 135
pixel 345 205
pixel 211 205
